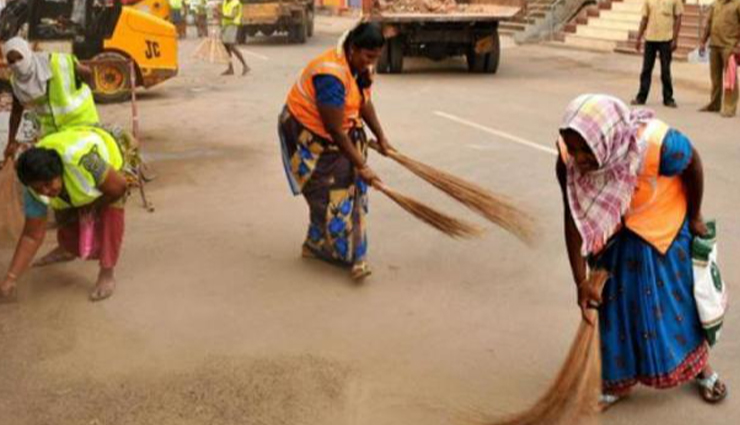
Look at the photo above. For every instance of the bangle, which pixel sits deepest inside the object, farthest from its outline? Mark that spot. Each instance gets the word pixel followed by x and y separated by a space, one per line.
pixel 12 276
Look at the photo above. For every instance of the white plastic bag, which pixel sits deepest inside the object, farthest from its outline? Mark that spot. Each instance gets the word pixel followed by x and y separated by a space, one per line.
pixel 710 290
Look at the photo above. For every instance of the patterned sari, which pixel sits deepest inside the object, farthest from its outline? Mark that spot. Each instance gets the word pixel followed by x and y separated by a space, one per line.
pixel 336 195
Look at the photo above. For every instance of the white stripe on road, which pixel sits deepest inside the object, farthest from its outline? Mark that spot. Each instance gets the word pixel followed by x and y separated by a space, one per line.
pixel 256 55
pixel 497 133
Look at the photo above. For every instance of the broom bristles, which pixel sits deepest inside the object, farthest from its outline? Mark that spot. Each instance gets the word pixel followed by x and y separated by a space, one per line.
pixel 449 225
pixel 212 50
pixel 574 395
pixel 494 208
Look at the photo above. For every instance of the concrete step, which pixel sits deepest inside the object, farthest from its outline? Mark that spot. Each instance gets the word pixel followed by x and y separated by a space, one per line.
pixel 602 33
pixel 614 25
pixel 614 15
pixel 628 7
pixel 503 27
pixel 577 41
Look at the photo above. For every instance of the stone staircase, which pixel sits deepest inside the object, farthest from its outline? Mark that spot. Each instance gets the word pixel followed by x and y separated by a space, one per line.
pixel 604 26
pixel 692 27
pixel 531 13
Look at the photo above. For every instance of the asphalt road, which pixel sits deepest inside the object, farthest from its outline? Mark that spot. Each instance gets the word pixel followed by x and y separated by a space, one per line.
pixel 217 319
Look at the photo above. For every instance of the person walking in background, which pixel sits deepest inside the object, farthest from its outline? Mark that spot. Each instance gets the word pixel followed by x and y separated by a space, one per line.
pixel 177 18
pixel 198 9
pixel 660 26
pixel 231 19
pixel 723 34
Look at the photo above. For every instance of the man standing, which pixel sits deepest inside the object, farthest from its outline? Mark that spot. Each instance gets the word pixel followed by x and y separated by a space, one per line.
pixel 198 8
pixel 661 24
pixel 231 18
pixel 176 17
pixel 723 34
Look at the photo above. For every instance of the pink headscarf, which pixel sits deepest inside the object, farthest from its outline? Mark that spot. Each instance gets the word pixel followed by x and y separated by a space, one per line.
pixel 598 199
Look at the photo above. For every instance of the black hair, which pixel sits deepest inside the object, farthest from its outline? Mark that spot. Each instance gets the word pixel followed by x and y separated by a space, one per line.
pixel 39 165
pixel 366 35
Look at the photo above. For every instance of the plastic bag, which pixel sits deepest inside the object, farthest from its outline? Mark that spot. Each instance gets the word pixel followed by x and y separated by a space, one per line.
pixel 710 290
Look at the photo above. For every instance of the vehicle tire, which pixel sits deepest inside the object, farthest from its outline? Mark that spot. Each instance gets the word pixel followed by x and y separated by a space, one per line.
pixel 241 36
pixel 494 57
pixel 395 55
pixel 300 31
pixel 311 18
pixel 384 61
pixel 476 62
pixel 111 78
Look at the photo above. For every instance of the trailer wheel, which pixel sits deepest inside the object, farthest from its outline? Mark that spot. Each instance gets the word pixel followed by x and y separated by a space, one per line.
pixel 485 62
pixel 494 57
pixel 476 63
pixel 299 33
pixel 311 17
pixel 384 61
pixel 111 78
pixel 395 55
pixel 241 36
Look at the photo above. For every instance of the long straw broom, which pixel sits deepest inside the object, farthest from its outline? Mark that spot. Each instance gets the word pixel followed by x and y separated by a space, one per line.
pixel 573 398
pixel 493 207
pixel 212 50
pixel 450 226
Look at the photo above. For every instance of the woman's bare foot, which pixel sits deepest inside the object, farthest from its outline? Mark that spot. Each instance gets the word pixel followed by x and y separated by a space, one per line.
pixel 246 70
pixel 229 71
pixel 57 255
pixel 105 286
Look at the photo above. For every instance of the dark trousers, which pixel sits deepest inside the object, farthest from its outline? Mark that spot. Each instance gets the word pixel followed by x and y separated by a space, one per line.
pixel 652 49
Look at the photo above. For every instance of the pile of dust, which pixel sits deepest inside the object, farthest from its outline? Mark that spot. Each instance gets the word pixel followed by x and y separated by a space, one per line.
pixel 424 6
pixel 275 391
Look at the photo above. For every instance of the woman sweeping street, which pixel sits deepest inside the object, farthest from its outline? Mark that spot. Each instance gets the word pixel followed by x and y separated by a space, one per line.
pixel 79 173
pixel 49 84
pixel 324 146
pixel 632 193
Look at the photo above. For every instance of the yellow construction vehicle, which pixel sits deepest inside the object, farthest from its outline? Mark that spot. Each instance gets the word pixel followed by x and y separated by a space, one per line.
pixel 158 8
pixel 111 37
pixel 294 17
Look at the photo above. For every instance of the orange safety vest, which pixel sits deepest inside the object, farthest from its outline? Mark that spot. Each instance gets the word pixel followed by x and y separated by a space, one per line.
pixel 659 204
pixel 302 98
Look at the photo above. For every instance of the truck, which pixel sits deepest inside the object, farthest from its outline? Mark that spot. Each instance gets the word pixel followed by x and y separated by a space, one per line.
pixel 453 29
pixel 292 17
pixel 108 36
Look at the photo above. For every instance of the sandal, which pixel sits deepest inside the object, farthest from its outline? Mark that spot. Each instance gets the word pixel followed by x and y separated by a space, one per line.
pixel 360 271
pixel 711 389
pixel 606 401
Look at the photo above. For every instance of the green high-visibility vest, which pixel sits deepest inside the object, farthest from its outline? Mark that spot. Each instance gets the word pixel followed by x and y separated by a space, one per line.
pixel 65 105
pixel 176 4
pixel 231 13
pixel 75 146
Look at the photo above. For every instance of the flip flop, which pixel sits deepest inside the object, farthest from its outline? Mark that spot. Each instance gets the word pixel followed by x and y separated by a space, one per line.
pixel 360 271
pixel 712 389
pixel 606 401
